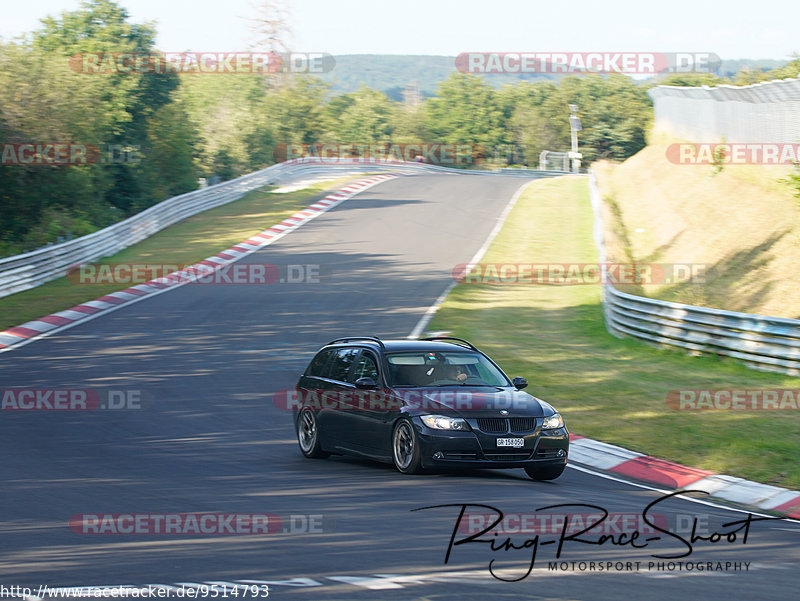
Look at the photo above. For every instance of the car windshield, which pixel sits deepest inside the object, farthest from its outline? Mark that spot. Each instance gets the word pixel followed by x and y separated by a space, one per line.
pixel 443 368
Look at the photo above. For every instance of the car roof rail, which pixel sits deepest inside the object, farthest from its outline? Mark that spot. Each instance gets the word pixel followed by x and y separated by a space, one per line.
pixel 355 338
pixel 466 342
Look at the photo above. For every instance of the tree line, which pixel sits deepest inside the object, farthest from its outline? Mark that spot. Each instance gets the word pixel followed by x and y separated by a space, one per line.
pixel 152 135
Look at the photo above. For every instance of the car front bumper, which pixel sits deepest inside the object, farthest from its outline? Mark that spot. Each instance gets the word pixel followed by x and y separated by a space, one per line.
pixel 476 449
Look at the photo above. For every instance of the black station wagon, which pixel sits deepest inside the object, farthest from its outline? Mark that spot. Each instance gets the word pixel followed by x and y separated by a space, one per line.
pixel 429 403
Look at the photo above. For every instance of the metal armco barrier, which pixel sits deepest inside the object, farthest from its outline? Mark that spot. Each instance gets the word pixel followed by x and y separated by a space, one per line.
pixel 762 112
pixel 28 270
pixel 762 342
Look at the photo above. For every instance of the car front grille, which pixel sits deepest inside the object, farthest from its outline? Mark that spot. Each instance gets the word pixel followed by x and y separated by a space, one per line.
pixel 493 455
pixel 460 455
pixel 493 425
pixel 522 424
pixel 502 425
pixel 510 455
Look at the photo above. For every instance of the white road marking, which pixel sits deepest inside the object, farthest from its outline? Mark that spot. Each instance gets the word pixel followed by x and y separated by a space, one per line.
pixel 600 454
pixel 291 582
pixel 683 497
pixel 107 308
pixel 371 583
pixel 428 315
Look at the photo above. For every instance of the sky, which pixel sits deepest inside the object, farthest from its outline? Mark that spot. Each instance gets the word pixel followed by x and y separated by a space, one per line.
pixel 731 29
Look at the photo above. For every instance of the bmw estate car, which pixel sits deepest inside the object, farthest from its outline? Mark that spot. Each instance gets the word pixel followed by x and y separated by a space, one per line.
pixel 429 403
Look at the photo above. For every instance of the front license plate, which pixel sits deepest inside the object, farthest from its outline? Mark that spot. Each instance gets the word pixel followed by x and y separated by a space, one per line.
pixel 511 442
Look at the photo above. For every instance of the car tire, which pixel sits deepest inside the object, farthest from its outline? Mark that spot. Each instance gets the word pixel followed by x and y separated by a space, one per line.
pixel 545 473
pixel 308 435
pixel 406 453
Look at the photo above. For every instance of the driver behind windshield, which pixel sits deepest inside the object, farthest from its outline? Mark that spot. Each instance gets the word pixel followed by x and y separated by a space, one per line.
pixel 456 372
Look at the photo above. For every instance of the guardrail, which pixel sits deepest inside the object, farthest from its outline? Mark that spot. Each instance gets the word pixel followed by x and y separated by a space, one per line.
pixel 762 342
pixel 763 112
pixel 28 270
pixel 551 157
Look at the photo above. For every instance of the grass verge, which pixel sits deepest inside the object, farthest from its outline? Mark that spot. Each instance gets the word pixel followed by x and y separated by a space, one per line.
pixel 186 242
pixel 740 227
pixel 609 389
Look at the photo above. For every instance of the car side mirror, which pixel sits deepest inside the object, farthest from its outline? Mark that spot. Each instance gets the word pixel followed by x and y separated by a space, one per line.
pixel 366 384
pixel 519 383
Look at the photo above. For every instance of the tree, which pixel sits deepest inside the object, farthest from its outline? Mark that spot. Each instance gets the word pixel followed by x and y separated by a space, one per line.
pixel 465 111
pixel 297 110
pixel 47 104
pixel 53 101
pixel 615 115
pixel 532 132
pixel 270 26
pixel 692 80
pixel 790 70
pixel 171 146
pixel 409 124
pixel 125 101
pixel 232 119
pixel 367 119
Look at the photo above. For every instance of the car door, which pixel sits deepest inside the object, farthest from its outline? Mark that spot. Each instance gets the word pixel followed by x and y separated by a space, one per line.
pixel 372 410
pixel 335 406
pixel 313 383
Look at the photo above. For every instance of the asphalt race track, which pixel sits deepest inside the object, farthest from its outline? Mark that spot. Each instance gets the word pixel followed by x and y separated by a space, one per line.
pixel 208 438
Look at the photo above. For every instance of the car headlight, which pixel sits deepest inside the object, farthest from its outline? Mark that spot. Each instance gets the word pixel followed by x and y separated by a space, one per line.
pixel 442 422
pixel 552 422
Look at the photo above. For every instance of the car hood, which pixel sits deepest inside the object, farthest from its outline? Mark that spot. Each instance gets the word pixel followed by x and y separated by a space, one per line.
pixel 484 401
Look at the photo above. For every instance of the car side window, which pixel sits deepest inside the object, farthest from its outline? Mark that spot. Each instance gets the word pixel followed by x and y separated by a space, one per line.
pixel 319 366
pixel 366 367
pixel 340 366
